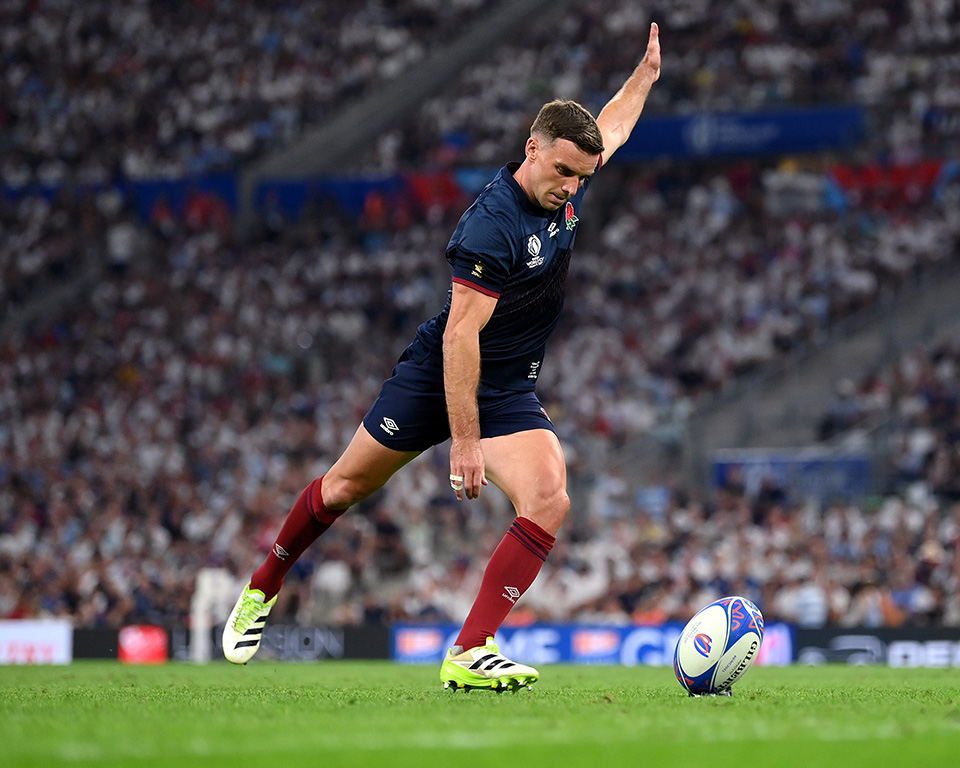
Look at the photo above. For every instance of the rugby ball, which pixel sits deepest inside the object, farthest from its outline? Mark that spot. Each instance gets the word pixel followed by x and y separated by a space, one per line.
pixel 718 645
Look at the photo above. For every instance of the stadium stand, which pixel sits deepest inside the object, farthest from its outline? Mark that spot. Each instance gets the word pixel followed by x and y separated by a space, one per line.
pixel 892 58
pixel 171 89
pixel 164 420
pixel 93 100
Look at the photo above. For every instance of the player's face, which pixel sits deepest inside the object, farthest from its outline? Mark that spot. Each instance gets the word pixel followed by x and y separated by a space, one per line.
pixel 557 171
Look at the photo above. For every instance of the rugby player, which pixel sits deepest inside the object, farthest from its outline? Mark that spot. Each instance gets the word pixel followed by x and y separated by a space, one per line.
pixel 470 375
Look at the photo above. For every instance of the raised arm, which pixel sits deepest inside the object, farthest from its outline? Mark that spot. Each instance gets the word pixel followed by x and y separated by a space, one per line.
pixel 469 312
pixel 617 118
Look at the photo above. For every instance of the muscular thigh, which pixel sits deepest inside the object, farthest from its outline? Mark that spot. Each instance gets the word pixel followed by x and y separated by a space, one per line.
pixel 529 468
pixel 362 468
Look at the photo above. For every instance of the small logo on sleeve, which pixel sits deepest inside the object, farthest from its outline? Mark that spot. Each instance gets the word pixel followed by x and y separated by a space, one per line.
pixel 477 270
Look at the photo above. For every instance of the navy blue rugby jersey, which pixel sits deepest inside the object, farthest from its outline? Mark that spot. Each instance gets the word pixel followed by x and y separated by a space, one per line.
pixel 509 247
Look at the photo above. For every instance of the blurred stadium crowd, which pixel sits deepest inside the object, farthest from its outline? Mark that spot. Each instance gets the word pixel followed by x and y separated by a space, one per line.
pixel 165 419
pixel 166 89
pixel 898 58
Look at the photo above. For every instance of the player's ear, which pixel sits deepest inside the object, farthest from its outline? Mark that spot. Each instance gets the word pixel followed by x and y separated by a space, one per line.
pixel 533 147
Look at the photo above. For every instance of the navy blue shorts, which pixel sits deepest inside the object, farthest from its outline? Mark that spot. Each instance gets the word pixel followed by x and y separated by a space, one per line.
pixel 410 413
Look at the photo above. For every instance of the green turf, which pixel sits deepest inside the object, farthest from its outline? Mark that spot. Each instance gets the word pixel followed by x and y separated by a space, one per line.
pixel 378 714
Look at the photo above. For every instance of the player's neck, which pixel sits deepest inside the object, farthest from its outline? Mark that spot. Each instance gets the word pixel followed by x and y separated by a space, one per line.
pixel 522 177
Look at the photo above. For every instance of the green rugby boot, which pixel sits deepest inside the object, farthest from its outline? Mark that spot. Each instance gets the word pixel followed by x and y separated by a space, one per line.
pixel 484 667
pixel 244 628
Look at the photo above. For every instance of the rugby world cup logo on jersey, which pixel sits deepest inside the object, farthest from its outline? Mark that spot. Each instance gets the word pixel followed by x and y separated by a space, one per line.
pixel 533 248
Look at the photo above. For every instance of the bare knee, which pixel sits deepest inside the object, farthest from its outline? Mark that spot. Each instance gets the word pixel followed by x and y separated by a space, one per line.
pixel 341 491
pixel 363 468
pixel 548 510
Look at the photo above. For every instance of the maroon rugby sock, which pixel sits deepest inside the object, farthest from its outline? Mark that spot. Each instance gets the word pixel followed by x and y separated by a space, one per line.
pixel 512 568
pixel 305 523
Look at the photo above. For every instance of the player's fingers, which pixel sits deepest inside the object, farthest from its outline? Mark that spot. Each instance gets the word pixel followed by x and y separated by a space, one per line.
pixel 476 480
pixel 654 32
pixel 456 482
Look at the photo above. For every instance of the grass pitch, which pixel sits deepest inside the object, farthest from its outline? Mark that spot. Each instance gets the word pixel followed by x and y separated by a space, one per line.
pixel 380 714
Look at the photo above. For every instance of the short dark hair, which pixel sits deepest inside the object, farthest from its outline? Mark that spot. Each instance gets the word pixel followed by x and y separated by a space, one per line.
pixel 565 119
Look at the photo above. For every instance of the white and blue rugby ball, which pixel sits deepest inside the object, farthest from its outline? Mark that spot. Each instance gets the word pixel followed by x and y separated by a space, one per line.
pixel 718 645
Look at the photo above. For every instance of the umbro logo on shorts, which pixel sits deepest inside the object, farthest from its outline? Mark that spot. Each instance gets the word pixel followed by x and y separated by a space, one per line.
pixel 389 426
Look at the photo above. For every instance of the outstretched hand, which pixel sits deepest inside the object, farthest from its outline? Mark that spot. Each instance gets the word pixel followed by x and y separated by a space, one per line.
pixel 651 59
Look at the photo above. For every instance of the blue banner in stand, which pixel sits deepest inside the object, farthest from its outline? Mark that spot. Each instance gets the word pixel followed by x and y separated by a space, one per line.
pixel 800 474
pixel 744 133
pixel 628 646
